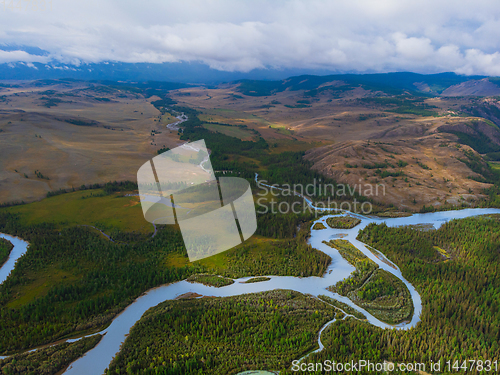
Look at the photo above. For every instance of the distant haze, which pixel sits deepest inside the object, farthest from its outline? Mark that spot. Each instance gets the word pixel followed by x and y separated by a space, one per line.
pixel 425 36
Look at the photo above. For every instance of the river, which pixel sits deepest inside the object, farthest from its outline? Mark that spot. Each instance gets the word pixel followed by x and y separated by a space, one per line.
pixel 98 359
pixel 18 250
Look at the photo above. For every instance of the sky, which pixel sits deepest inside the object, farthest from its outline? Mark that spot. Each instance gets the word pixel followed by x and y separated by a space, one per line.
pixel 423 36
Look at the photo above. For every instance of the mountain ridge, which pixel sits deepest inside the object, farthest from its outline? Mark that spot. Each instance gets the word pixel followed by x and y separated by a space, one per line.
pixel 263 81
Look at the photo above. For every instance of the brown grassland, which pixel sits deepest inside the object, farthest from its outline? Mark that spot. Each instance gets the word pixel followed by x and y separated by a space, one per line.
pixel 115 140
pixel 340 135
pixel 343 134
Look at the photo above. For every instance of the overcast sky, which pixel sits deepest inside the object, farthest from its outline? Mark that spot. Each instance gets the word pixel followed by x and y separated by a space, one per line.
pixel 423 36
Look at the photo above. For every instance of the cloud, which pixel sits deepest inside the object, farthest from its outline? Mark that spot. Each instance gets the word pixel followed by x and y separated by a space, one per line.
pixel 235 35
pixel 413 48
pixel 18 55
pixel 478 61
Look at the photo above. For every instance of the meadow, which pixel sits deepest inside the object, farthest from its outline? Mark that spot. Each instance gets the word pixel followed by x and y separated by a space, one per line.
pixel 232 131
pixel 107 212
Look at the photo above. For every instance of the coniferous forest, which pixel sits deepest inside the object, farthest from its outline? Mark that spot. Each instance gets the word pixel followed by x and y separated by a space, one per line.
pixel 223 335
pixel 460 297
pixel 460 318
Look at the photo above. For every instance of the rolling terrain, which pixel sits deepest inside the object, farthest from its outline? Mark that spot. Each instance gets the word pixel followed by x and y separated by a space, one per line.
pixel 61 134
pixel 64 134
pixel 92 254
pixel 424 150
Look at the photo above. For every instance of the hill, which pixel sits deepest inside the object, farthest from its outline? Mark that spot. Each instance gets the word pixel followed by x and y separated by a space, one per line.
pixel 389 83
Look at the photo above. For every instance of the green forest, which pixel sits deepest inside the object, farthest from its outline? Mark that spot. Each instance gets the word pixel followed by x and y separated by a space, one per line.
pixel 459 321
pixel 223 335
pixel 460 297
pixel 377 291
pixel 73 280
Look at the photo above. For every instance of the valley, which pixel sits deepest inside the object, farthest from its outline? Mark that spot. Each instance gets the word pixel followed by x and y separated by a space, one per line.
pixel 94 266
pixel 249 188
pixel 316 286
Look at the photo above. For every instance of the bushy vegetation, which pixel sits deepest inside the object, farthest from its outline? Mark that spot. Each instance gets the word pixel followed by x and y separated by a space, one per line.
pixel 257 279
pixel 81 122
pixel 423 166
pixel 50 102
pixel 318 226
pixel 109 187
pixel 342 222
pixel 162 150
pixel 210 280
pixel 48 361
pixel 299 105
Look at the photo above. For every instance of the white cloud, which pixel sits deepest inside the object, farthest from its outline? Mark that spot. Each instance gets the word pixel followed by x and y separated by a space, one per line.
pixel 478 61
pixel 13 56
pixel 413 48
pixel 356 35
